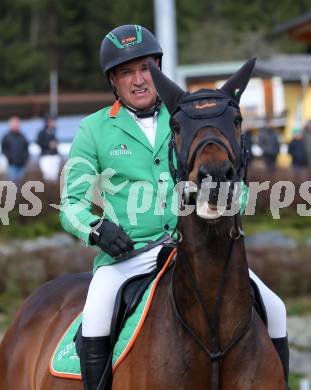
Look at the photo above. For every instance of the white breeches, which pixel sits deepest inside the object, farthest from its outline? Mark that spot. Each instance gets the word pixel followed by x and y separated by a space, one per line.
pixel 98 309
pixel 107 280
pixel 275 308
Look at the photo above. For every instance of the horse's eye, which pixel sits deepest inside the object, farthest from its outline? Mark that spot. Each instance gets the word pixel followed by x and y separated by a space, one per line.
pixel 174 125
pixel 237 121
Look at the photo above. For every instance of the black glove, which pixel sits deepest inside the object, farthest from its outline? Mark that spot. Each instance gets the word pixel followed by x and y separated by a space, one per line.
pixel 111 238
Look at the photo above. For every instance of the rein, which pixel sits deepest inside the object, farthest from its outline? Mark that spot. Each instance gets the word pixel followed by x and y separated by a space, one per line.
pixel 216 353
pixel 193 113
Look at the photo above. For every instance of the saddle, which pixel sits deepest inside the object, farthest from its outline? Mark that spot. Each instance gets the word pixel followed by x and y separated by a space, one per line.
pixel 127 299
pixel 131 292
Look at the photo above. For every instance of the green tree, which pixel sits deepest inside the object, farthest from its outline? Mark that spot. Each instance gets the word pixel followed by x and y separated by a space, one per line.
pixel 38 36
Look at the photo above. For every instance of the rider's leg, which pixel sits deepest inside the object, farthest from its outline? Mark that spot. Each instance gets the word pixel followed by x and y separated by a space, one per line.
pixel 97 313
pixel 277 329
pixel 281 345
pixel 94 357
pixel 98 310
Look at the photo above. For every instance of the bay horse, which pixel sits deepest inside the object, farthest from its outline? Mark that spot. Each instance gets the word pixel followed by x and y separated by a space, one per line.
pixel 201 331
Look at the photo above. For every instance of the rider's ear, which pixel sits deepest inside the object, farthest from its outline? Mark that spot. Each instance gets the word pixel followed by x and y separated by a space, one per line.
pixel 237 83
pixel 169 92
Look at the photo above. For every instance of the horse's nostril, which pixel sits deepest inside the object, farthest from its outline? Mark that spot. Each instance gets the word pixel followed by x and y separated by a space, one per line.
pixel 228 171
pixel 203 173
pixel 222 172
pixel 229 174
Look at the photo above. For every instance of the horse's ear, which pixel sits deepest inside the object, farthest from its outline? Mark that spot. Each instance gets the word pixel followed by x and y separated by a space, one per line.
pixel 237 83
pixel 168 91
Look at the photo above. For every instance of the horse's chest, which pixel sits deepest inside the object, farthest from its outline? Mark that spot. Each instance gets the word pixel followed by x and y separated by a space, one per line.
pixel 168 354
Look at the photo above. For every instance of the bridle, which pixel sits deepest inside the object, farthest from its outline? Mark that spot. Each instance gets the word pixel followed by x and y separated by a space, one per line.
pixel 205 108
pixel 194 112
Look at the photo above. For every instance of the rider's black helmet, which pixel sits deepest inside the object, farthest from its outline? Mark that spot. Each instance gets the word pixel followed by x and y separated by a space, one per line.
pixel 126 43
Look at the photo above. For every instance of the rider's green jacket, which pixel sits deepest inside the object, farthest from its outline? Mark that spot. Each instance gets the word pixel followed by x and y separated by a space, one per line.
pixel 112 164
pixel 111 154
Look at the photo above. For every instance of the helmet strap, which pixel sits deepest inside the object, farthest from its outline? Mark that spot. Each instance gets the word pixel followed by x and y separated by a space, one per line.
pixel 145 113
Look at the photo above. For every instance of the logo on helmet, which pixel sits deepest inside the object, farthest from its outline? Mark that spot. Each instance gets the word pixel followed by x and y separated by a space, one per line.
pixel 128 40
pixel 206 105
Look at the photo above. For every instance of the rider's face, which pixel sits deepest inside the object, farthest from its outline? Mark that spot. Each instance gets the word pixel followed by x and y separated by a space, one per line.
pixel 134 85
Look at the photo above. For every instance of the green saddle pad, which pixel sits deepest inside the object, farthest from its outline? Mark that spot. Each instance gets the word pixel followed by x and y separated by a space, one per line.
pixel 65 362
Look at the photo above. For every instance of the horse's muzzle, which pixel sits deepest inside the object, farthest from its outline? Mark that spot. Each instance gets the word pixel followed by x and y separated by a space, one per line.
pixel 219 172
pixel 215 189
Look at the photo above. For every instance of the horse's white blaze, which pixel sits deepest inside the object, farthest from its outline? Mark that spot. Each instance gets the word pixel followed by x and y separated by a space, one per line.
pixel 207 211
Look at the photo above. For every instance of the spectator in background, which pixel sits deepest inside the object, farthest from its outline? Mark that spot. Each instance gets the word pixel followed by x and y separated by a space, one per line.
pixel 15 148
pixel 50 160
pixel 269 143
pixel 297 150
pixel 307 141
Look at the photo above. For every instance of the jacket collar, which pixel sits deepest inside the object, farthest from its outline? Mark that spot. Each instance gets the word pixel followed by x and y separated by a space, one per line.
pixel 124 121
pixel 115 108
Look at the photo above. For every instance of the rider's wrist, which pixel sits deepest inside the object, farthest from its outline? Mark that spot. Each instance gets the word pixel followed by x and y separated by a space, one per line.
pixel 94 235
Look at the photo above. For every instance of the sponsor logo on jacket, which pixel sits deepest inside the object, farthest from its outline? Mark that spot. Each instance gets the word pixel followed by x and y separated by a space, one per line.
pixel 120 150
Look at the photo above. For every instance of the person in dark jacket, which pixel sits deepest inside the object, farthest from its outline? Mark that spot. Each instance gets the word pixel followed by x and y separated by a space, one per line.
pixel 297 149
pixel 47 137
pixel 14 146
pixel 50 160
pixel 269 143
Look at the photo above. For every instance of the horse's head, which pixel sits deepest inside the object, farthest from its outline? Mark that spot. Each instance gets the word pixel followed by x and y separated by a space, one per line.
pixel 206 136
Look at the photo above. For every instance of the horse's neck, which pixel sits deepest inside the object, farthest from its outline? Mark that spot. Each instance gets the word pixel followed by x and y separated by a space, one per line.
pixel 206 252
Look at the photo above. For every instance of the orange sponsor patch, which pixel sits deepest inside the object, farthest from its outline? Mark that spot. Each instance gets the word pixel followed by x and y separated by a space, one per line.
pixel 206 105
pixel 127 40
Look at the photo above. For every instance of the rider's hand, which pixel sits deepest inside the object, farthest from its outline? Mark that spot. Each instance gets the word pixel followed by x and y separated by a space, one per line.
pixel 111 239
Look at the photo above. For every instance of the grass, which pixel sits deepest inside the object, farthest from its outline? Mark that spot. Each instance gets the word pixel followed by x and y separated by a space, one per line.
pixel 294 380
pixel 290 223
pixel 31 227
pixel 298 306
pixel 10 302
pixel 12 298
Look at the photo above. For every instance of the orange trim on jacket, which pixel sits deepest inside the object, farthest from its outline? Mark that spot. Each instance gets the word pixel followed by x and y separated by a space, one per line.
pixel 115 109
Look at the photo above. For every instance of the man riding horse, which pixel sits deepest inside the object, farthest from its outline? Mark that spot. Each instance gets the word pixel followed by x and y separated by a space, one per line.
pixel 127 144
